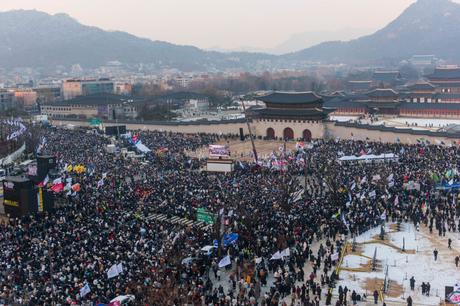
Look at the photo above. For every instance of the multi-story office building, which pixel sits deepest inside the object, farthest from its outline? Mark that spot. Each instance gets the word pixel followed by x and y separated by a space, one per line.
pixel 84 87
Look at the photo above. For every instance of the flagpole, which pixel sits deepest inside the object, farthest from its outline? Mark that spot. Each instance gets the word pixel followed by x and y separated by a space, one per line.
pixel 250 131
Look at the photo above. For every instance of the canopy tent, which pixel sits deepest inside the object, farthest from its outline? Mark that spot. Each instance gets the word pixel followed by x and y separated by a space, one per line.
pixel 389 156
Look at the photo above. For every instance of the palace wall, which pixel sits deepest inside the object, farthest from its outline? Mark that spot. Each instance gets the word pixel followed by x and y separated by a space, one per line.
pixel 318 130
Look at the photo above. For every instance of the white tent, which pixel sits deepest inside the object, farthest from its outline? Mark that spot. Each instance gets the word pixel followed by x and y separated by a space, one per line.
pixel 369 157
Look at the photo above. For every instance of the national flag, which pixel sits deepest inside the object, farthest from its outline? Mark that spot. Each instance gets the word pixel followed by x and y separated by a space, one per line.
pixel 57 181
pixel 120 268
pixel 372 194
pixel 276 256
pixel 85 290
pixel 353 186
pixel 344 220
pixel 396 200
pixel 112 272
pixel 225 261
pixel 364 180
pixel 100 183
pixel 363 152
pixel 390 177
pixel 451 182
pixel 457 286
pixel 285 253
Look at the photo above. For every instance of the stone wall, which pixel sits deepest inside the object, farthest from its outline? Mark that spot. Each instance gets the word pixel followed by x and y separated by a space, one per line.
pixel 375 133
pixel 231 127
pixel 316 128
pixel 259 128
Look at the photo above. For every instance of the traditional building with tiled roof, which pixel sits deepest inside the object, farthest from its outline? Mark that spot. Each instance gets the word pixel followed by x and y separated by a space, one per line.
pixel 290 115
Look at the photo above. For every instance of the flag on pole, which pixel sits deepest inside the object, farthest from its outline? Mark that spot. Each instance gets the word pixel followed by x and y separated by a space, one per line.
pixel 276 256
pixel 76 187
pixel 120 268
pixel 112 272
pixel 225 261
pixel 57 188
pixel 390 177
pixel 285 253
pixel 85 290
pixel 45 181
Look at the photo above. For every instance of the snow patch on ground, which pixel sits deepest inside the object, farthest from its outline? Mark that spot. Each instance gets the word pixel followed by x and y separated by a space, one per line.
pixel 403 265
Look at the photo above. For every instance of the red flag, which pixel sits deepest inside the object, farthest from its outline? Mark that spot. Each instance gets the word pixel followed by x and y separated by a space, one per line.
pixel 58 187
pixel 76 187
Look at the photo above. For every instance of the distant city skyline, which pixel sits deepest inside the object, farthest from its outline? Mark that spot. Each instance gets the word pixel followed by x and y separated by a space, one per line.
pixel 236 24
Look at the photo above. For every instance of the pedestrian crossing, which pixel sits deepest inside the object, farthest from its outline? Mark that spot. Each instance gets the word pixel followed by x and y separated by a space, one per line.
pixel 178 220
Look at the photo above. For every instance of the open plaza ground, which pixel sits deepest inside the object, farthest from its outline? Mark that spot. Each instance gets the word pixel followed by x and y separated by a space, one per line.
pixel 415 260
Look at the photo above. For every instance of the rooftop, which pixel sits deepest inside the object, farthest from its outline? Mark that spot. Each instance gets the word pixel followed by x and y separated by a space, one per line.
pixel 421 86
pixel 306 114
pixel 100 99
pixel 445 73
pixel 382 93
pixel 290 97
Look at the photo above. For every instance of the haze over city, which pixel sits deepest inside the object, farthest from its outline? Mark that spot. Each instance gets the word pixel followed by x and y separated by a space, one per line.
pixel 217 152
pixel 234 25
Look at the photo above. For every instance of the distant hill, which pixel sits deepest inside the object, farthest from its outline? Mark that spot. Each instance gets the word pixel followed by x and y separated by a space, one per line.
pixel 39 40
pixel 35 39
pixel 426 27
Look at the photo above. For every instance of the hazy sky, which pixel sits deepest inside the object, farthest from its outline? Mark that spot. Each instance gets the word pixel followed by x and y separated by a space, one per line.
pixel 223 23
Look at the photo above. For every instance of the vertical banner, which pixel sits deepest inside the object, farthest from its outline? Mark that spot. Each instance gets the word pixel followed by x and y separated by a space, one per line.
pixel 40 199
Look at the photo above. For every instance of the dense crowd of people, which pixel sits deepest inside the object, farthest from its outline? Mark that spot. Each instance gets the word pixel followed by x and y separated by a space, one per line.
pixel 48 259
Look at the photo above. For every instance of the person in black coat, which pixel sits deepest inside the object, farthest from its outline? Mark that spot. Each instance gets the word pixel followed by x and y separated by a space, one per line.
pixel 328 298
pixel 409 301
pixel 353 297
pixel 412 283
pixel 376 297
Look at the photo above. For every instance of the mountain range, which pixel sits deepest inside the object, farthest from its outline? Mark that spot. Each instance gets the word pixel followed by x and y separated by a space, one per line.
pixel 300 41
pixel 37 39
